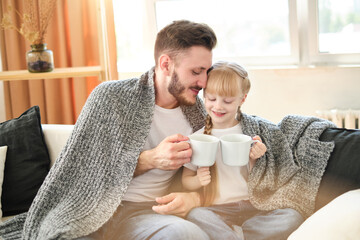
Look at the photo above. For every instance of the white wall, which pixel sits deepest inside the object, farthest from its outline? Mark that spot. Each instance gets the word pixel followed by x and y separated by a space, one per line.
pixel 276 93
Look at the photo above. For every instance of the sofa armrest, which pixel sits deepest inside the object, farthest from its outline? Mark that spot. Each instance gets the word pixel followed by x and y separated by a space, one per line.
pixel 339 219
pixel 56 136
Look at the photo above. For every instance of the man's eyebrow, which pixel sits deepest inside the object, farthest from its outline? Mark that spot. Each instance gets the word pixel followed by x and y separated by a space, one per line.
pixel 200 68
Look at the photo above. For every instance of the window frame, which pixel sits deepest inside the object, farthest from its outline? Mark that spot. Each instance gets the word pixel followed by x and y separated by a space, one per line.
pixel 291 59
pixel 303 37
pixel 314 56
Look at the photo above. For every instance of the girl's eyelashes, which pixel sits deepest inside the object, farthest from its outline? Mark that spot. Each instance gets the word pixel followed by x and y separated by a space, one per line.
pixel 214 99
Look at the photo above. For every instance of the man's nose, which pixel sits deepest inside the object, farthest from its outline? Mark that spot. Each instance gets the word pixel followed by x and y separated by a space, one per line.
pixel 202 80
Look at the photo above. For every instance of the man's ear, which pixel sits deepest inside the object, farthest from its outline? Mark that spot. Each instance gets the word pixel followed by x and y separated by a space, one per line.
pixel 165 64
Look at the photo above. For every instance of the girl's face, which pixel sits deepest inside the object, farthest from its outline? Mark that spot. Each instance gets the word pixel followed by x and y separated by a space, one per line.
pixel 222 109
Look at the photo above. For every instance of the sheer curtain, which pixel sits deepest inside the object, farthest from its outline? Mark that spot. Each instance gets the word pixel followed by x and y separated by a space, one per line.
pixel 73 38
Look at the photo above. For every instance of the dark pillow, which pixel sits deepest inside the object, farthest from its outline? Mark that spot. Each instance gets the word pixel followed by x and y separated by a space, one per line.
pixel 27 161
pixel 342 173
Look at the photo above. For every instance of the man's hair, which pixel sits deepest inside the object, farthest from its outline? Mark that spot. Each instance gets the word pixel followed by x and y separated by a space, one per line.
pixel 182 35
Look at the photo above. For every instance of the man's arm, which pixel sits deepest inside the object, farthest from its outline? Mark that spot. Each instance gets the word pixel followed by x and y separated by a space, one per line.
pixel 170 154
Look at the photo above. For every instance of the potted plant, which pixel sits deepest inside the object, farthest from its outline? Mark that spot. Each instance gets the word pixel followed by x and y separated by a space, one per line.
pixel 33 24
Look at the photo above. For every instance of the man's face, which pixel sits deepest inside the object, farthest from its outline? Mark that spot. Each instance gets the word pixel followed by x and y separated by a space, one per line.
pixel 189 76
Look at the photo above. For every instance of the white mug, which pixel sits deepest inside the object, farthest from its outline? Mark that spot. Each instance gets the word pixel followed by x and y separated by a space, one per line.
pixel 235 149
pixel 204 148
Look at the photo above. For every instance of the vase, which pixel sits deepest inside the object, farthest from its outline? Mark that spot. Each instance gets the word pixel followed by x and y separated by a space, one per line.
pixel 39 59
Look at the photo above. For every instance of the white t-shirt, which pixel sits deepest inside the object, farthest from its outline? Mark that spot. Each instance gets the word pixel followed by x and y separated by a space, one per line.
pixel 232 181
pixel 154 183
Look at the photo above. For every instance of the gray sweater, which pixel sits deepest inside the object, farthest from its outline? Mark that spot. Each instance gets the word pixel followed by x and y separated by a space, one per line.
pixel 85 186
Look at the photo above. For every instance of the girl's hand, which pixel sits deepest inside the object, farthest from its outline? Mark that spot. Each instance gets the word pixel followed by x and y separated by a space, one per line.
pixel 203 174
pixel 257 150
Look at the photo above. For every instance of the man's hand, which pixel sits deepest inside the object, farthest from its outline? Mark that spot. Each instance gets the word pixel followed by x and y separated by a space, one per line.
pixel 203 174
pixel 178 203
pixel 170 154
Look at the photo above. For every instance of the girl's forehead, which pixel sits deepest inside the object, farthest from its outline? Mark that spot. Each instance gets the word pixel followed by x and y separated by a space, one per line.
pixel 221 93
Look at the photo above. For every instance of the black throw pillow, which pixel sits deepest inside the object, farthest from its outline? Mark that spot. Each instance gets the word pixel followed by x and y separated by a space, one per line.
pixel 27 161
pixel 342 173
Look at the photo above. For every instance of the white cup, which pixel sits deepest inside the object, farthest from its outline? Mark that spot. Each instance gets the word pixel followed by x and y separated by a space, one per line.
pixel 235 149
pixel 204 148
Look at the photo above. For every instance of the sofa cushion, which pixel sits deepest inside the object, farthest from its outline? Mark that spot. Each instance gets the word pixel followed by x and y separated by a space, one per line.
pixel 3 150
pixel 27 162
pixel 343 169
pixel 337 220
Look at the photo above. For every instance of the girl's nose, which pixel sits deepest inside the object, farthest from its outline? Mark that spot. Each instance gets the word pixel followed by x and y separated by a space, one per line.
pixel 218 104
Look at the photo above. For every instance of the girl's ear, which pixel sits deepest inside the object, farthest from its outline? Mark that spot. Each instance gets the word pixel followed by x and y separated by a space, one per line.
pixel 165 64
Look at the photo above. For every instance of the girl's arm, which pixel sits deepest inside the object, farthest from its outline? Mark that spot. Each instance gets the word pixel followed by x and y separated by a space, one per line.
pixel 192 180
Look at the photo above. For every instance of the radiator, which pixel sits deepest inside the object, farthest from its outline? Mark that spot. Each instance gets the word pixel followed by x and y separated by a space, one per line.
pixel 342 118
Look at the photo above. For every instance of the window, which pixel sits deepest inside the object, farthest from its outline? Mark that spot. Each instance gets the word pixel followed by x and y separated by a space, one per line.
pixel 135 30
pixel 245 31
pixel 334 31
pixel 339 22
pixel 254 33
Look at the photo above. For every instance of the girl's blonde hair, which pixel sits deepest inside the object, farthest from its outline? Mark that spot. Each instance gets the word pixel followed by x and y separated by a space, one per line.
pixel 224 79
pixel 227 79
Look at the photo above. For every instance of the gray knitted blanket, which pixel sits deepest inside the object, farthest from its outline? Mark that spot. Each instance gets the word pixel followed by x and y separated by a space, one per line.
pixel 88 180
pixel 289 174
pixel 85 186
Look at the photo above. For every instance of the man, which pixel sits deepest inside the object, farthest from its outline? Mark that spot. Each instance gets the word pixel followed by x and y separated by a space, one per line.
pixel 182 58
pixel 112 178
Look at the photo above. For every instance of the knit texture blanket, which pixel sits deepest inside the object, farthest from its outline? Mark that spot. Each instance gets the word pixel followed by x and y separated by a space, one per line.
pixel 289 174
pixel 91 175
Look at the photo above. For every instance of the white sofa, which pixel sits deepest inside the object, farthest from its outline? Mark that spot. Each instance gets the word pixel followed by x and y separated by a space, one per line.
pixel 56 136
pixel 340 219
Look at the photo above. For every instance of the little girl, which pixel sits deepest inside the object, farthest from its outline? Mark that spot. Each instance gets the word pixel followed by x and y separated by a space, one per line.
pixel 226 90
pixel 228 211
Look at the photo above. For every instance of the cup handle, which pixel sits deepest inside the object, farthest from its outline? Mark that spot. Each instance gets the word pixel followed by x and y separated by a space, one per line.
pixel 254 141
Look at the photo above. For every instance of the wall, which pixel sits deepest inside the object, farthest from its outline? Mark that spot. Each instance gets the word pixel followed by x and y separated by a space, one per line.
pixel 276 93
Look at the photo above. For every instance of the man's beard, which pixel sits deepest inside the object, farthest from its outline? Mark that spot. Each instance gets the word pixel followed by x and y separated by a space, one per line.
pixel 176 89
